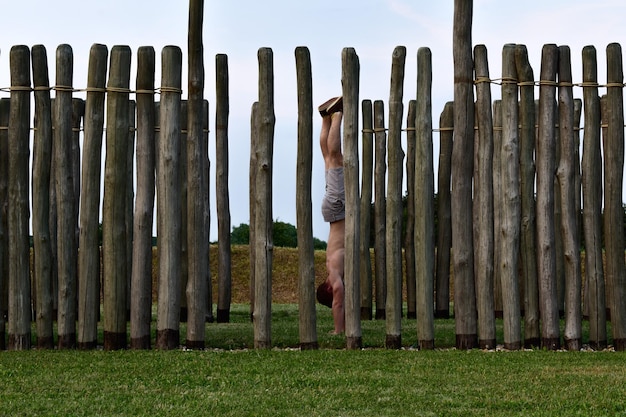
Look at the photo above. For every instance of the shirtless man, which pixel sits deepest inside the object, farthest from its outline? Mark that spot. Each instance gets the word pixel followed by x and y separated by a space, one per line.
pixel 333 210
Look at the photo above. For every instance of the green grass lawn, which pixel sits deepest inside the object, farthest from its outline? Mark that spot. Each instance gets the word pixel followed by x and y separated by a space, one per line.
pixel 326 382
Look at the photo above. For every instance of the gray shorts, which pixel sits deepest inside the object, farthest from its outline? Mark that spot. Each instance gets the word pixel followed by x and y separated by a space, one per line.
pixel 334 203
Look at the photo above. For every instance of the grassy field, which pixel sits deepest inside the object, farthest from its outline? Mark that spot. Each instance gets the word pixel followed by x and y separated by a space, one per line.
pixel 229 378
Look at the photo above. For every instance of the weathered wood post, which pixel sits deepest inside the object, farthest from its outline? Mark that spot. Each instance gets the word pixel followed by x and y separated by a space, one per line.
pixel 462 169
pixel 264 244
pixel 497 208
pixel 197 191
pixel 222 196
pixel 89 254
pixel 409 228
pixel 569 225
pixel 66 221
pixel 304 166
pixel 18 208
pixel 592 199
pixel 424 203
pixel 129 199
pixel 78 112
pixel 113 209
pixel 395 156
pixel 141 275
pixel 527 189
pixel 350 84
pixel 546 168
pixel 182 181
pixel 613 203
pixel 509 233
pixel 169 216
pixel 444 221
pixel 207 208
pixel 367 164
pixel 4 231
pixel 484 203
pixel 254 135
pixel 380 208
pixel 42 157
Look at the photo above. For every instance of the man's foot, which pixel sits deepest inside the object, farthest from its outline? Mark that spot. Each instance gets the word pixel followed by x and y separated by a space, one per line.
pixel 331 106
pixel 335 333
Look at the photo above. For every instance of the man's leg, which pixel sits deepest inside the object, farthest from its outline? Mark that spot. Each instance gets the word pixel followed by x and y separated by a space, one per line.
pixel 335 157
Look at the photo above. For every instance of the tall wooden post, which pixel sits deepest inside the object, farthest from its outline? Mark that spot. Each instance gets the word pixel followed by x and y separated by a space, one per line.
pixel 497 208
pixel 546 167
pixel 462 169
pixel 18 209
pixel 527 189
pixel 4 238
pixel 444 221
pixel 113 210
pixel 222 196
pixel 141 275
pixel 395 156
pixel 66 222
pixel 197 228
pixel 367 163
pixel 254 139
pixel 42 159
pixel 613 203
pixel 264 244
pixel 484 203
pixel 592 199
pixel 350 83
pixel 89 254
pixel 304 167
pixel 380 207
pixel 169 217
pixel 409 228
pixel 424 203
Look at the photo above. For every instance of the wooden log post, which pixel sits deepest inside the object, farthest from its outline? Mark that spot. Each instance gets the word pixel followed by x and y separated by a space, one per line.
pixel 113 210
pixel 569 225
pixel 89 254
pixel 395 156
pixel 484 203
pixel 141 274
pixel 424 203
pixel 197 227
pixel 169 217
pixel 592 199
pixel 613 203
pixel 264 244
pixel 254 135
pixel 4 241
pixel 546 168
pixel 367 167
pixel 42 159
pixel 350 84
pixel 224 273
pixel 509 233
pixel 409 228
pixel 66 221
pixel 497 207
pixel 18 203
pixel 207 207
pixel 182 181
pixel 129 199
pixel 462 169
pixel 444 221
pixel 528 247
pixel 304 167
pixel 380 208
pixel 78 112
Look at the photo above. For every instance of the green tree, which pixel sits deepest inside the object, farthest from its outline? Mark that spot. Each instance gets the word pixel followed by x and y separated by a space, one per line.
pixel 284 234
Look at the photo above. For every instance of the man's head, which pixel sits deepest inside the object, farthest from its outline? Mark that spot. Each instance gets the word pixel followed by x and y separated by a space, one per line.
pixel 325 294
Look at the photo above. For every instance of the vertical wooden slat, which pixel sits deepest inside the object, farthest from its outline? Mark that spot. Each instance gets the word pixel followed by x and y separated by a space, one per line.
pixel 4 238
pixel 367 164
pixel 483 203
pixel 169 217
pixel 89 254
pixel 222 195
pixel 18 208
pixel 254 138
pixel 497 208
pixel 263 221
pixel 350 84
pixel 380 208
pixel 306 262
pixel 424 203
pixel 66 221
pixel 141 275
pixel 42 159
pixel 592 199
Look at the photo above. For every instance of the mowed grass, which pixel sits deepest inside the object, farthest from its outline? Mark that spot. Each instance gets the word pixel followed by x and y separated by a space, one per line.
pixel 229 378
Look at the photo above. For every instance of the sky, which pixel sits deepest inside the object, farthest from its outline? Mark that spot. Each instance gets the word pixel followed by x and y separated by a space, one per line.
pixel 238 28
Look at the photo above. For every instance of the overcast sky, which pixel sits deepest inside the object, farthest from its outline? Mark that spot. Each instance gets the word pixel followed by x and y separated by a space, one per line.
pixel 373 27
